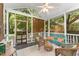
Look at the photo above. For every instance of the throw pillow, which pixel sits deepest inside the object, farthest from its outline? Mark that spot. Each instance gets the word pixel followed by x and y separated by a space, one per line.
pixel 50 38
pixel 60 40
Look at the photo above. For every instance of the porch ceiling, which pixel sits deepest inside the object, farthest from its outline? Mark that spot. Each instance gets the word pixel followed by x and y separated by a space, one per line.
pixel 59 8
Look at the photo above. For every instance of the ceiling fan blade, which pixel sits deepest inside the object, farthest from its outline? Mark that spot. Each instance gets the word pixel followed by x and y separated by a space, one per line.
pixel 50 7
pixel 39 6
pixel 45 7
pixel 44 10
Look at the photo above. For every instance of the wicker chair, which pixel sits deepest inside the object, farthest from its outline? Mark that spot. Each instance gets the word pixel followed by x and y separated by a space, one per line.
pixel 66 50
pixel 39 40
pixel 47 46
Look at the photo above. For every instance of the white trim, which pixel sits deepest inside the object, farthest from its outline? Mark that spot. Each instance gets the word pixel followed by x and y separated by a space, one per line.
pixel 67 34
pixel 67 11
pixel 31 29
pixel 65 29
pixel 7 25
pixel 15 29
pixel 22 13
pixel 72 9
pixel 73 34
pixel 48 27
pixel 76 39
pixel 21 21
pixel 27 29
pixel 44 30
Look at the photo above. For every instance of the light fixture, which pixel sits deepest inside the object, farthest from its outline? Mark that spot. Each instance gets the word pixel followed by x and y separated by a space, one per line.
pixel 45 7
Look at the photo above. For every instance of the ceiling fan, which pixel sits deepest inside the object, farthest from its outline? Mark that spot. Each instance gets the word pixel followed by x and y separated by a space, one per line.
pixel 45 8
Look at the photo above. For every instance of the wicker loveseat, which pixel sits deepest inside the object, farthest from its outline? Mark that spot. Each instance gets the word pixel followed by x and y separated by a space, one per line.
pixel 67 50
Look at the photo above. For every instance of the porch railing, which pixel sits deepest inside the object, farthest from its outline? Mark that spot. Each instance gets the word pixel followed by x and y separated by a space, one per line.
pixel 70 38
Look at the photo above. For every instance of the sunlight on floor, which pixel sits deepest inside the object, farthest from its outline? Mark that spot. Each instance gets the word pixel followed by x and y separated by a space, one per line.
pixel 34 51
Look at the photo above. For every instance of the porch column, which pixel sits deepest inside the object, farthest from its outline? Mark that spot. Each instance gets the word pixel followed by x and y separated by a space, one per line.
pixel 27 28
pixel 48 27
pixel 65 28
pixel 31 29
pixel 15 29
pixel 44 29
pixel 7 25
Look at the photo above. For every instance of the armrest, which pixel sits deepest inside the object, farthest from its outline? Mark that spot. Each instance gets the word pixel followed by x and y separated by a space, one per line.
pixel 61 50
pixel 66 49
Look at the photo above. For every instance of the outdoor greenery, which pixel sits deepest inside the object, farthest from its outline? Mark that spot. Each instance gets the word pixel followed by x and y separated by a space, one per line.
pixel 56 22
pixel 11 23
pixel 73 14
pixel 29 24
pixel 30 11
pixel 46 25
pixel 59 19
pixel 21 25
pixel 72 22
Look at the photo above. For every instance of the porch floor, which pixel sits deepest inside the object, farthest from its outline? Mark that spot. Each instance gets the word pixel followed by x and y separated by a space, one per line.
pixel 24 45
pixel 34 51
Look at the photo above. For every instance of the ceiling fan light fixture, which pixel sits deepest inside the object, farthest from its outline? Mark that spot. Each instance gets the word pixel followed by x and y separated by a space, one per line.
pixel 44 10
pixel 45 7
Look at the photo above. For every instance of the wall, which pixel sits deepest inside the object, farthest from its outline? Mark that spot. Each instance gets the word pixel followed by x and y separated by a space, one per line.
pixel 38 25
pixel 1 22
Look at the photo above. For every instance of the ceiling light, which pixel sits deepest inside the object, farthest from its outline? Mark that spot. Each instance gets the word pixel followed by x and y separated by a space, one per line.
pixel 45 7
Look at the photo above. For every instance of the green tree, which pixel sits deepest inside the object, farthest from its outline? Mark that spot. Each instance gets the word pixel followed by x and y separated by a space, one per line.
pixel 21 17
pixel 72 25
pixel 11 23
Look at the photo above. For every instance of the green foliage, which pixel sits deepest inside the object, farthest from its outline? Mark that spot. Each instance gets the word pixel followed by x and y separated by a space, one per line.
pixel 29 24
pixel 21 17
pixel 73 14
pixel 30 11
pixel 56 21
pixel 11 23
pixel 46 25
pixel 74 26
pixel 21 26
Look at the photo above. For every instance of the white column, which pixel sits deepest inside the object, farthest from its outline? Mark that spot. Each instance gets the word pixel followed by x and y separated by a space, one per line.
pixel 65 29
pixel 7 25
pixel 44 30
pixel 27 28
pixel 76 39
pixel 48 27
pixel 31 29
pixel 15 29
